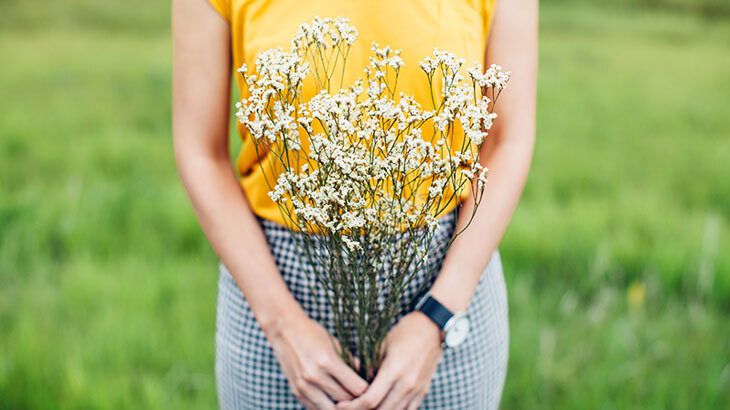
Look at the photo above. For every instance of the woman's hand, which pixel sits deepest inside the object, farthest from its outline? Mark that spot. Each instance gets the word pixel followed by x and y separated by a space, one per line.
pixel 309 358
pixel 405 373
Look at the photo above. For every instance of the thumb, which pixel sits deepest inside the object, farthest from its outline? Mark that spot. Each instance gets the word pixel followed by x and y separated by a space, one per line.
pixel 383 349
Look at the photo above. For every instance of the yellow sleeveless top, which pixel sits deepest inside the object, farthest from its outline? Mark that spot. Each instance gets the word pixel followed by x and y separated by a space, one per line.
pixel 414 26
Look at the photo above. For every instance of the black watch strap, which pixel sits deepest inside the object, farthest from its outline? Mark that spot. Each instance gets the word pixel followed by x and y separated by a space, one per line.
pixel 434 310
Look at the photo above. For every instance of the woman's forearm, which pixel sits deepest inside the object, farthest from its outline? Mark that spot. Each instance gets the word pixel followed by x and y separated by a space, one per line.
pixel 469 255
pixel 234 233
pixel 200 105
pixel 507 152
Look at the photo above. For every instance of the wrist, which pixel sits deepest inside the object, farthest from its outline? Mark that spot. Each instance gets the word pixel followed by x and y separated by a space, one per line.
pixel 455 325
pixel 451 300
pixel 452 290
pixel 430 330
pixel 278 320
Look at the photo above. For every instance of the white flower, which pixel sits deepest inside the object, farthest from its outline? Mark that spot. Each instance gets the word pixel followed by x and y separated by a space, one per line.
pixel 482 178
pixel 352 245
pixel 432 223
pixel 493 77
pixel 437 188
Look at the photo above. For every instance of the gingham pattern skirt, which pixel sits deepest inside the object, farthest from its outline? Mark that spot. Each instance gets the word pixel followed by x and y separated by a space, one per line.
pixel 248 375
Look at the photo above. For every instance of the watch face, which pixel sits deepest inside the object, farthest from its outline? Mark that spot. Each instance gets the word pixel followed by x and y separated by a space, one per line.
pixel 457 330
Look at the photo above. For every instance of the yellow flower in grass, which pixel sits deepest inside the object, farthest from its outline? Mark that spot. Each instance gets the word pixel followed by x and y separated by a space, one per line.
pixel 636 294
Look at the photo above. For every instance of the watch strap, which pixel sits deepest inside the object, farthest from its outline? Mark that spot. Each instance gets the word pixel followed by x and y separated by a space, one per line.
pixel 434 310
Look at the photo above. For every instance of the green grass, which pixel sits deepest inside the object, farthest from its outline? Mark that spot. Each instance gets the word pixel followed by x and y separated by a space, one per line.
pixel 107 286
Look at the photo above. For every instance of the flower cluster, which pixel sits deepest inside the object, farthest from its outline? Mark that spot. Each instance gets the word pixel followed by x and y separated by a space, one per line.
pixel 366 162
pixel 324 33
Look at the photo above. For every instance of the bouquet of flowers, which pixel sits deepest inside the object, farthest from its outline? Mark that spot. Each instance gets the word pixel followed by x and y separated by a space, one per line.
pixel 353 167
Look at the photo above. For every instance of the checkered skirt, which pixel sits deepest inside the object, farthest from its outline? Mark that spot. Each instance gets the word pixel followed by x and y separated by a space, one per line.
pixel 248 375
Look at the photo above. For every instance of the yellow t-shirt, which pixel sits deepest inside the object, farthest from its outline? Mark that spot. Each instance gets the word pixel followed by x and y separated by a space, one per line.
pixel 414 26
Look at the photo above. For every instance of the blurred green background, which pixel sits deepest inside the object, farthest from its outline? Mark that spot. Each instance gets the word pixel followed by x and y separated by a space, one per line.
pixel 617 259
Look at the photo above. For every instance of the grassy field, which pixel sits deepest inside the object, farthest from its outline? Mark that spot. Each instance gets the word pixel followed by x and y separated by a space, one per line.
pixel 617 260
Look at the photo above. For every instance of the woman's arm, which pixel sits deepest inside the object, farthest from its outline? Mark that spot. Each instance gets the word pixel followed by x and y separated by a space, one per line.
pixel 406 373
pixel 201 87
pixel 507 152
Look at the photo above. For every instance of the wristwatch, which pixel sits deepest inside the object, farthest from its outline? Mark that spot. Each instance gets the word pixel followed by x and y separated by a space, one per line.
pixel 454 324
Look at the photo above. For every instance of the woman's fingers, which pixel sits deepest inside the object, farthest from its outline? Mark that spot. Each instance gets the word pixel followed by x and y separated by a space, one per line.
pixel 400 396
pixel 344 383
pixel 347 377
pixel 403 394
pixel 321 399
pixel 416 402
pixel 393 399
pixel 330 386
pixel 317 374
pixel 413 400
pixel 312 396
pixel 374 395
